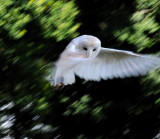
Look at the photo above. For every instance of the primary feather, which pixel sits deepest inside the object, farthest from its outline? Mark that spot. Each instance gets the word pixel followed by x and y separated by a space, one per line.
pixel 112 63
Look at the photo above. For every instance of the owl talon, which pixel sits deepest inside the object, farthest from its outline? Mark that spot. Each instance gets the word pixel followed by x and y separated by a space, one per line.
pixel 59 86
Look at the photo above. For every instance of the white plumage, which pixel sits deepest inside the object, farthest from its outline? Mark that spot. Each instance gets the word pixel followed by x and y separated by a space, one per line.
pixel 85 58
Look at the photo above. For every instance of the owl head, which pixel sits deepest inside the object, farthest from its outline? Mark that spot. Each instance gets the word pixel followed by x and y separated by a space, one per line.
pixel 88 45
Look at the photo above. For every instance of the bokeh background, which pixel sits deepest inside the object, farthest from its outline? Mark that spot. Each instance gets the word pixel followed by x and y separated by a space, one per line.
pixel 32 35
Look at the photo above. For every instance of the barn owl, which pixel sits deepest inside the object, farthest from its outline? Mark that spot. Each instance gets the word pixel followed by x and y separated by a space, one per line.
pixel 85 58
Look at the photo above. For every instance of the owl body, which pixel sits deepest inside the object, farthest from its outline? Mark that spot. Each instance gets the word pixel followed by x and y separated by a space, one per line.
pixel 85 58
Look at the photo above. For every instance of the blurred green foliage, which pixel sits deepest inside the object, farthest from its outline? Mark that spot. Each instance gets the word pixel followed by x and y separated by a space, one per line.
pixel 53 17
pixel 144 29
pixel 32 35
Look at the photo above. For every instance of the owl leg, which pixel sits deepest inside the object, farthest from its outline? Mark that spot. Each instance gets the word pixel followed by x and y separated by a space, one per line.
pixel 59 83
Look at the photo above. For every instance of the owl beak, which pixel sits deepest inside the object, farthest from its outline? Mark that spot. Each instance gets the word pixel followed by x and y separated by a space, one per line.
pixel 89 54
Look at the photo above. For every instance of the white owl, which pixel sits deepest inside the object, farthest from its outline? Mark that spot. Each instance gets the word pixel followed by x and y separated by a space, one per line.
pixel 85 58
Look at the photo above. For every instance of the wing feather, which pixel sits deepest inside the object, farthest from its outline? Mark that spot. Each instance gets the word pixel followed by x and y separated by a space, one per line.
pixel 111 63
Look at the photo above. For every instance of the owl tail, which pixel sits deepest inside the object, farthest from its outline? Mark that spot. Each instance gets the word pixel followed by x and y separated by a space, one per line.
pixel 51 81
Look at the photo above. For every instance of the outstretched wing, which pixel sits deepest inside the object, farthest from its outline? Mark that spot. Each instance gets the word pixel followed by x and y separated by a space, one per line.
pixel 111 63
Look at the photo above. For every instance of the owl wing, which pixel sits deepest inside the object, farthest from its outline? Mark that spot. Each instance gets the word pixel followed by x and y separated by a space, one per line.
pixel 111 63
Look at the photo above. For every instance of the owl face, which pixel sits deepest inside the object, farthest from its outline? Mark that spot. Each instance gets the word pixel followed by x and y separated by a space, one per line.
pixel 90 46
pixel 90 51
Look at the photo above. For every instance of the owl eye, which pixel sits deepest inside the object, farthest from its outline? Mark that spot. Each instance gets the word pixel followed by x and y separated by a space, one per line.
pixel 84 48
pixel 94 49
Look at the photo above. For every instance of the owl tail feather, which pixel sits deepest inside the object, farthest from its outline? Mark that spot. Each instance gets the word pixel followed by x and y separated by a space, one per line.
pixel 51 81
